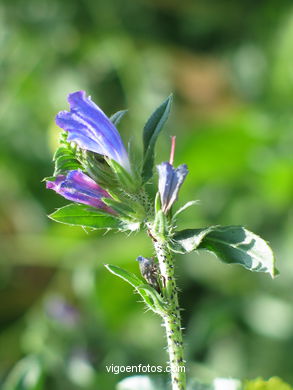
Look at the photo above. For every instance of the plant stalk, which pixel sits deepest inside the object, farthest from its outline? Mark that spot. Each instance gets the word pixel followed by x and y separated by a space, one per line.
pixel 172 318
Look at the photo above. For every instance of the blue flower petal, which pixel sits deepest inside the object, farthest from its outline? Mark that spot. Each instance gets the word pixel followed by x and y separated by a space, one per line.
pixel 78 187
pixel 91 129
pixel 170 181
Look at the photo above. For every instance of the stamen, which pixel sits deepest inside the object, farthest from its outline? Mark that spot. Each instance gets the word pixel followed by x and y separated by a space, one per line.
pixel 172 152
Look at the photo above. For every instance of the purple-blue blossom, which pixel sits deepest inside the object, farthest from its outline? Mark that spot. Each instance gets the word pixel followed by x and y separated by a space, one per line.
pixel 78 187
pixel 58 309
pixel 170 181
pixel 91 129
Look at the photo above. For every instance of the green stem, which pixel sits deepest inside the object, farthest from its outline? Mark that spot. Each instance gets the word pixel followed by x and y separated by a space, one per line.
pixel 172 319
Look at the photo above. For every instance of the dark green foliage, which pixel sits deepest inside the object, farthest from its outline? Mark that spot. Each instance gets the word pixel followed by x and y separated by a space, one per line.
pixel 151 131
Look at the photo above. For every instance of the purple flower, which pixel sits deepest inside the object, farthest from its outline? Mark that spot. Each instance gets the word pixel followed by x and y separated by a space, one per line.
pixel 91 129
pixel 80 188
pixel 61 311
pixel 170 181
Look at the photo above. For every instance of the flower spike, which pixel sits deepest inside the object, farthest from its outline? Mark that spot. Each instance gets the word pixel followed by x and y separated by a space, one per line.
pixel 91 129
pixel 78 187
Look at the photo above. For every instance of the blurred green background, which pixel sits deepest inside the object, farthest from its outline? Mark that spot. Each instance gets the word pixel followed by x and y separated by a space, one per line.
pixel 229 65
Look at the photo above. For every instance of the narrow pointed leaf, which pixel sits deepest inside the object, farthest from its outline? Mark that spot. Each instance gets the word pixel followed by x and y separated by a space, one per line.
pixel 183 208
pixel 132 279
pixel 129 277
pixel 151 131
pixel 126 181
pixel 86 216
pixel 116 118
pixel 156 297
pixel 232 245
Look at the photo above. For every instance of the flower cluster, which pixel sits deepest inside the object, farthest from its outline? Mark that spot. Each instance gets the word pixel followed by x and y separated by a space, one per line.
pixel 90 130
pixel 96 137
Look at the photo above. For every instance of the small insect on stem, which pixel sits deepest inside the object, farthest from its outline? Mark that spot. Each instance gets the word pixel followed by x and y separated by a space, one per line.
pixel 149 270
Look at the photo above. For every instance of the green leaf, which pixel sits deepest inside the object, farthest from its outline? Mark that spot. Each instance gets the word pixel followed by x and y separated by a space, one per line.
pixel 130 278
pixel 116 118
pixel 232 245
pixel 27 374
pixel 63 164
pixel 127 182
pixel 128 209
pixel 65 159
pixel 183 208
pixel 186 241
pixel 121 208
pixel 156 297
pixel 86 216
pixel 99 170
pixel 151 131
pixel 156 302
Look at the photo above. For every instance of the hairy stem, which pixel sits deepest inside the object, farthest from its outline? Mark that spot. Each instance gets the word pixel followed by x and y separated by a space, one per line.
pixel 172 320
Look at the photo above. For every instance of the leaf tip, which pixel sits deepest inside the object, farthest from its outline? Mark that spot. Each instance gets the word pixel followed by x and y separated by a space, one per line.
pixel 51 216
pixel 168 102
pixel 275 272
pixel 170 97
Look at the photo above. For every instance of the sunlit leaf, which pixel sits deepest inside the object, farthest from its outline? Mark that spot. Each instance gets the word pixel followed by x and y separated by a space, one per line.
pixel 188 240
pixel 130 278
pixel 232 245
pixel 155 303
pixel 86 216
pixel 65 157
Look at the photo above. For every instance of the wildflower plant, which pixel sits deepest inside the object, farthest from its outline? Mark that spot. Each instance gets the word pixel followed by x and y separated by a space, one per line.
pixel 109 191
